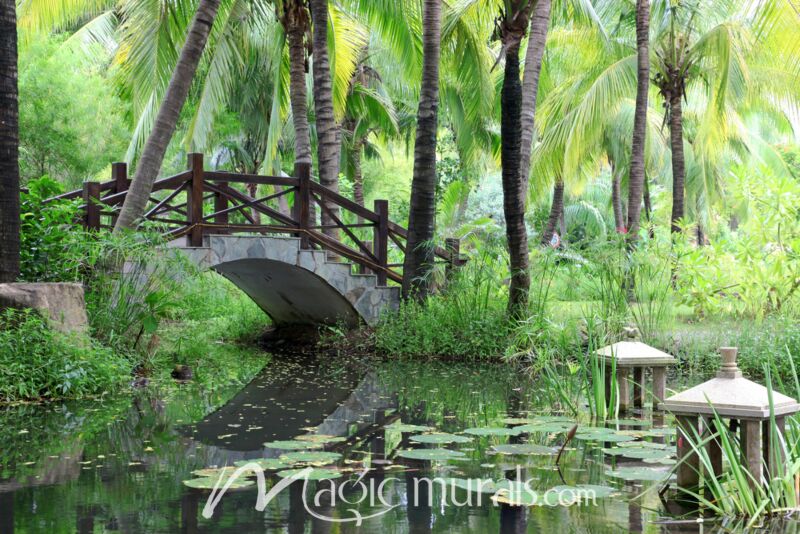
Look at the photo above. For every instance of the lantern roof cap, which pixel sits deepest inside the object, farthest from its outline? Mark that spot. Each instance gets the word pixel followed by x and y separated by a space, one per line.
pixel 635 354
pixel 729 394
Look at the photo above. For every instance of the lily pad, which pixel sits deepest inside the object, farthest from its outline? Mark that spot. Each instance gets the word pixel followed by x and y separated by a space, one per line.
pixel 312 474
pixel 582 492
pixel 524 449
pixel 209 483
pixel 404 427
pixel 320 438
pixel 264 463
pixel 516 493
pixel 292 445
pixel 216 472
pixel 493 431
pixel 440 438
pixel 437 455
pixel 630 422
pixel 638 473
pixel 548 427
pixel 314 457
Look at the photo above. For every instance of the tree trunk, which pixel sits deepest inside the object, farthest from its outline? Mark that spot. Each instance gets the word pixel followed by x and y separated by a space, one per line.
pixel 648 208
pixel 540 21
pixel 419 257
pixel 513 201
pixel 678 161
pixel 328 132
pixel 295 23
pixel 167 119
pixel 9 145
pixel 616 202
pixel 701 236
pixel 555 213
pixel 636 179
pixel 358 176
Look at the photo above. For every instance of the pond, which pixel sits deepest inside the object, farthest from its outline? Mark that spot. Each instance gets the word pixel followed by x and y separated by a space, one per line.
pixel 398 447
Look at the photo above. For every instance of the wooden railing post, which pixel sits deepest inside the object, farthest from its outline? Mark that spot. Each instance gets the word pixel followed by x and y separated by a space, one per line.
pixel 220 204
pixel 91 197
pixel 119 175
pixel 195 201
pixel 380 244
pixel 453 247
pixel 302 202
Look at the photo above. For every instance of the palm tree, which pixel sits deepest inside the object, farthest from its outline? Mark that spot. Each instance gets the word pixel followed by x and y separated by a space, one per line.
pixel 556 212
pixel 328 131
pixel 166 121
pixel 530 85
pixel 513 26
pixel 419 257
pixel 636 180
pixel 9 145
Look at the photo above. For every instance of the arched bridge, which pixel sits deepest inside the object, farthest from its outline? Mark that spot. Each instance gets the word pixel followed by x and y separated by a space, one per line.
pixel 297 269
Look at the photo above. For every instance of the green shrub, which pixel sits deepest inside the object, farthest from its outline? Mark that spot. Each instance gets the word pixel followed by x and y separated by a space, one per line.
pixel 38 362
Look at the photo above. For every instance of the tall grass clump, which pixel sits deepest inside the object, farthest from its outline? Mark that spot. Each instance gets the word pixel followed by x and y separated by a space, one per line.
pixel 466 319
pixel 37 362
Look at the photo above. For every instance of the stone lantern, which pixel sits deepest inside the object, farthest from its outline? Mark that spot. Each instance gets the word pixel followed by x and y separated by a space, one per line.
pixel 635 356
pixel 732 397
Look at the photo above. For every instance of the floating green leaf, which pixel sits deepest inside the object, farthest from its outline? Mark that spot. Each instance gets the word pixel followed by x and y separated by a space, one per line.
pixel 310 474
pixel 440 438
pixel 403 427
pixel 314 457
pixel 493 431
pixel 437 455
pixel 264 463
pixel 320 438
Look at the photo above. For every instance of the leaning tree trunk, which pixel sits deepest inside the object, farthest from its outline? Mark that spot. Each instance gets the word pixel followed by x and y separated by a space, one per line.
pixel 513 200
pixel 556 209
pixel 530 86
pixel 9 145
pixel 616 203
pixel 419 257
pixel 678 161
pixel 636 179
pixel 328 131
pixel 167 119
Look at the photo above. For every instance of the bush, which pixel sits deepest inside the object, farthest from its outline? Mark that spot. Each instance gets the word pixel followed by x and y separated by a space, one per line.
pixel 38 362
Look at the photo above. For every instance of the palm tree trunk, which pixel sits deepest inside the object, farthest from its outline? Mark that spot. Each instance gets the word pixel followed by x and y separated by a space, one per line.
pixel 636 179
pixel 513 200
pixel 9 145
pixel 616 202
pixel 252 190
pixel 358 175
pixel 167 119
pixel 701 236
pixel 540 21
pixel 678 161
pixel 556 208
pixel 419 257
pixel 328 131
pixel 648 208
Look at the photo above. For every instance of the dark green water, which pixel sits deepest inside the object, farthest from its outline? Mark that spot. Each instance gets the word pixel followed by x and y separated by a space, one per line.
pixel 118 465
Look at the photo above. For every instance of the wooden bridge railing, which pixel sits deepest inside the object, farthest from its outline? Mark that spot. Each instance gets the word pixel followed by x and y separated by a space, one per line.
pixel 198 202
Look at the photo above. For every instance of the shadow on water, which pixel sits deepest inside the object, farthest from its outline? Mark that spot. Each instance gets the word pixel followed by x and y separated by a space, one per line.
pixel 118 464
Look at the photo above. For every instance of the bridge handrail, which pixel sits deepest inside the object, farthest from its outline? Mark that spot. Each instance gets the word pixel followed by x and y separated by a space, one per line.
pixel 184 212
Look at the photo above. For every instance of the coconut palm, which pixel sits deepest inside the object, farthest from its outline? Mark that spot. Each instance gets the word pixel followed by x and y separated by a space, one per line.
pixel 636 181
pixel 166 121
pixel 9 145
pixel 419 256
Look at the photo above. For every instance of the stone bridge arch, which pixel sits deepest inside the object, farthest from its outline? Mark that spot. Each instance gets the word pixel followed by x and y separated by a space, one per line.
pixel 294 286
